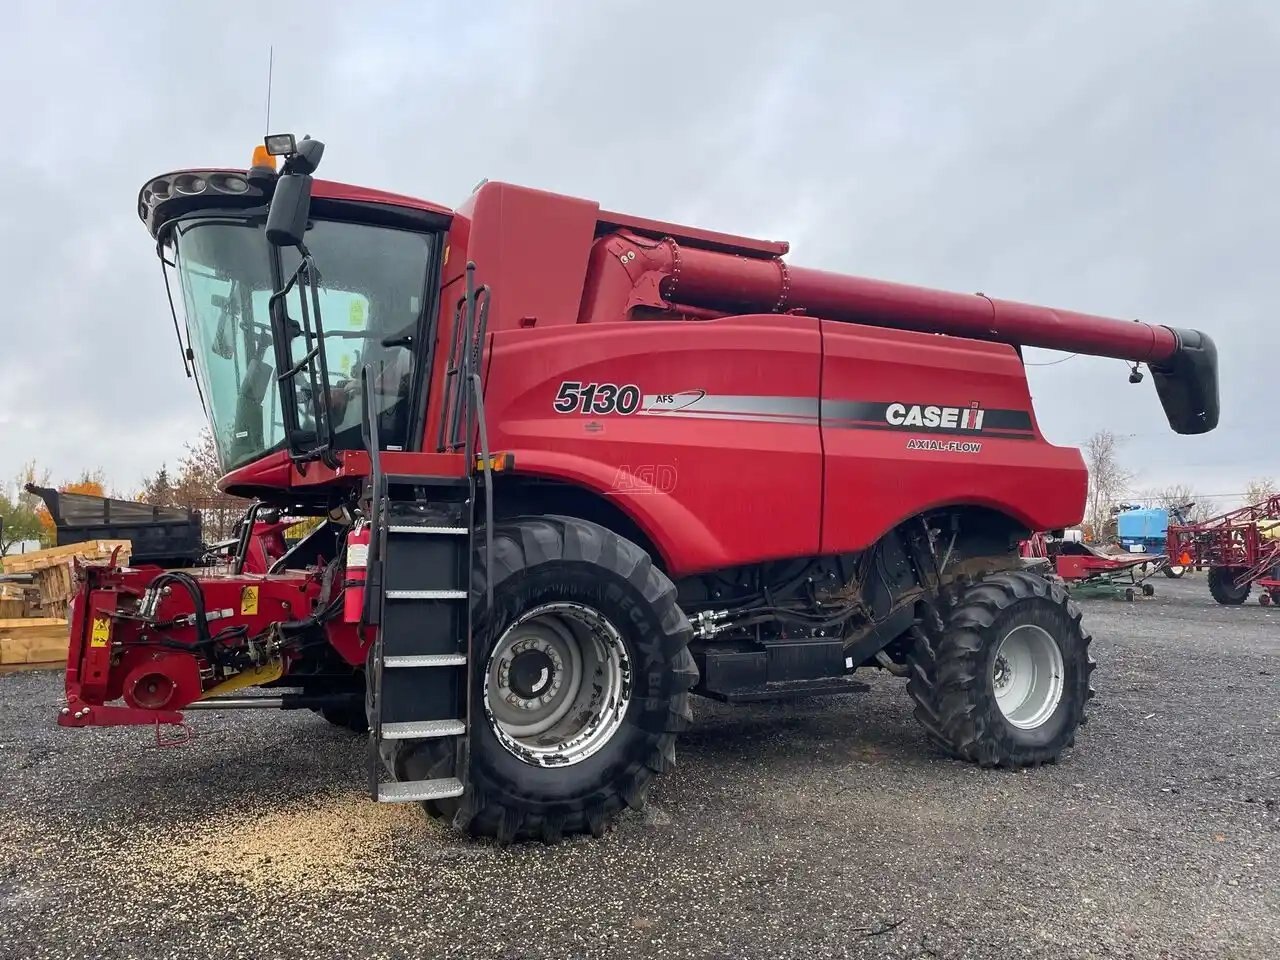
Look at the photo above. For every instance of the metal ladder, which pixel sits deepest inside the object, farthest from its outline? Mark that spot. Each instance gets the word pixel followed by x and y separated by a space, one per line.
pixel 420 661
pixel 417 598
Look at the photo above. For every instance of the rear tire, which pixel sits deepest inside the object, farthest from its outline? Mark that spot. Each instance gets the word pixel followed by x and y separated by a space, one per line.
pixel 1010 633
pixel 519 787
pixel 1222 586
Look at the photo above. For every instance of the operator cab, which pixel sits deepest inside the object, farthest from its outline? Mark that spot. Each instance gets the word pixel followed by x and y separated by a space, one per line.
pixel 285 299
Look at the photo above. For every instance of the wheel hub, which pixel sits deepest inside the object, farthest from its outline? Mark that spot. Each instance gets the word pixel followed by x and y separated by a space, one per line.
pixel 1027 676
pixel 1001 674
pixel 533 674
pixel 557 684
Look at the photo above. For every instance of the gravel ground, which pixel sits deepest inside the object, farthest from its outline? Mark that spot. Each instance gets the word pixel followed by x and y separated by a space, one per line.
pixel 810 829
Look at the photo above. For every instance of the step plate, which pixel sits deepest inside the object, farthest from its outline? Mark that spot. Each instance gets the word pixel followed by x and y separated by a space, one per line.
pixel 422 729
pixel 438 531
pixel 426 594
pixel 426 660
pixel 412 791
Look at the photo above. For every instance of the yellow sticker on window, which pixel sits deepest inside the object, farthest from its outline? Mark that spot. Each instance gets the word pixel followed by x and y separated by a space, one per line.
pixel 248 601
pixel 357 314
pixel 101 633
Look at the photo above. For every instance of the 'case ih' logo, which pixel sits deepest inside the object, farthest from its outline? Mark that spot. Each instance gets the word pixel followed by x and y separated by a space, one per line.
pixel 946 418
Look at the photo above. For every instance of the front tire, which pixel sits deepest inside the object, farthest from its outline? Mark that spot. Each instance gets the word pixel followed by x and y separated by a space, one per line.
pixel 554 752
pixel 1173 571
pixel 1004 679
pixel 352 719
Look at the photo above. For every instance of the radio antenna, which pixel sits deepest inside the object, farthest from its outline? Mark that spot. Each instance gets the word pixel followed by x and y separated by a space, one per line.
pixel 271 56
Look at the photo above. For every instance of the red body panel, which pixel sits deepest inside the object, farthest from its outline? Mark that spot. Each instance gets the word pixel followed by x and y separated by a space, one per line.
pixel 873 477
pixel 739 474
pixel 710 487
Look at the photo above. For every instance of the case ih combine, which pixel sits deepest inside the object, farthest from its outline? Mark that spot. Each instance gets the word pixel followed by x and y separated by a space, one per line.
pixel 575 465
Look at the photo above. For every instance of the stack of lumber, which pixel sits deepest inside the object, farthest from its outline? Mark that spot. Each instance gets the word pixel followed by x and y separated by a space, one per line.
pixel 51 570
pixel 18 600
pixel 33 641
pixel 33 616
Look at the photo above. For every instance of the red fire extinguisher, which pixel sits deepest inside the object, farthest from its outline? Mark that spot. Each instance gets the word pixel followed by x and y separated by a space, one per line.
pixel 357 568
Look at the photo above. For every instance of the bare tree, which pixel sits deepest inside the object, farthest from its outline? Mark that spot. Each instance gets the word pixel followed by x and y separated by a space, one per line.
pixel 196 487
pixel 1263 488
pixel 1108 480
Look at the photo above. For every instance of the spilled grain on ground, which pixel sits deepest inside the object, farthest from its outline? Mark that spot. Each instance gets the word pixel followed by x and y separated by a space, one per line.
pixel 325 844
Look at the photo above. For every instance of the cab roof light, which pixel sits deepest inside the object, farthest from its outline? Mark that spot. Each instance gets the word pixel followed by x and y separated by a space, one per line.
pixel 280 144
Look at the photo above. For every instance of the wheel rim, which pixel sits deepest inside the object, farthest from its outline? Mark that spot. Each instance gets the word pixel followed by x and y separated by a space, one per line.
pixel 557 684
pixel 1027 676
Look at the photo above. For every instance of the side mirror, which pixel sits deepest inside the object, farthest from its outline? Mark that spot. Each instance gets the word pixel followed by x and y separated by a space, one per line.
pixel 307 157
pixel 290 208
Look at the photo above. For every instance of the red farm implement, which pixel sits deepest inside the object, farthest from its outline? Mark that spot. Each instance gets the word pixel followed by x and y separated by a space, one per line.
pixel 1086 569
pixel 1240 548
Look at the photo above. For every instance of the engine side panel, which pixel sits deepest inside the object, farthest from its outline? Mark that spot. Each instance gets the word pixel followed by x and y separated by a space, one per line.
pixel 705 433
pixel 914 421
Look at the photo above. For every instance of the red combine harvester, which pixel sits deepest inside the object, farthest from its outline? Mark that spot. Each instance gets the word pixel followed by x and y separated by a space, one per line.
pixel 574 465
pixel 1240 548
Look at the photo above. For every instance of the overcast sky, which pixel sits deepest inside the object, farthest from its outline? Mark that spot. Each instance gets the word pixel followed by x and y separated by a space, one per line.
pixel 1109 157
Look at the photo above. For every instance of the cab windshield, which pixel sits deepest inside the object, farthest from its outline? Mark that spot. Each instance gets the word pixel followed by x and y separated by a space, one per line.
pixel 372 293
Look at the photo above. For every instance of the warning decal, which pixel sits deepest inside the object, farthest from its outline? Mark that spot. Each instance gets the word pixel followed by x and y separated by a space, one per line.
pixel 101 632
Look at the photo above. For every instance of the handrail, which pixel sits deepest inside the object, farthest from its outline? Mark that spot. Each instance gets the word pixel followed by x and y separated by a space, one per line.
pixel 371 614
pixel 314 361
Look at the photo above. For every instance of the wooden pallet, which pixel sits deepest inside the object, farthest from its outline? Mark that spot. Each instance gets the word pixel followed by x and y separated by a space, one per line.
pixel 17 600
pixel 33 640
pixel 52 569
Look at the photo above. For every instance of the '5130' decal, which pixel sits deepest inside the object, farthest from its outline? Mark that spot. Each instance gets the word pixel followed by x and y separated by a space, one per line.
pixel 575 397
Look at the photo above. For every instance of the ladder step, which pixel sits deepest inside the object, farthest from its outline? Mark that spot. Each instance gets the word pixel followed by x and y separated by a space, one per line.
pixel 421 729
pixel 411 790
pixel 427 660
pixel 445 531
pixel 426 594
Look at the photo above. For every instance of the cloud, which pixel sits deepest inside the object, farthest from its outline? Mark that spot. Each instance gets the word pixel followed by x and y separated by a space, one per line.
pixel 1092 157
